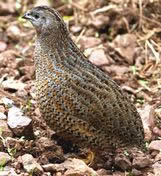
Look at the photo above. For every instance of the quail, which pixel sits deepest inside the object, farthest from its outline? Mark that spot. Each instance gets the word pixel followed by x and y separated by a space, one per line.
pixel 76 98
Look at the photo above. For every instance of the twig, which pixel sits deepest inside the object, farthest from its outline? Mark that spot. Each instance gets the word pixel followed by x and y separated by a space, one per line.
pixel 80 35
pixel 140 13
pixel 156 55
pixel 78 7
pixel 104 9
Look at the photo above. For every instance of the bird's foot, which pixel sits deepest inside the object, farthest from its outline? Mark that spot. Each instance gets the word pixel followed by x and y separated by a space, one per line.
pixel 89 157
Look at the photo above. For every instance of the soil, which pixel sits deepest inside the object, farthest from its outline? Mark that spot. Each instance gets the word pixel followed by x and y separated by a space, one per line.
pixel 121 37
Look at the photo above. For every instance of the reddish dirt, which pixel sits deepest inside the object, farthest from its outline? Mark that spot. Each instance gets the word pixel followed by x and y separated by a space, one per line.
pixel 121 37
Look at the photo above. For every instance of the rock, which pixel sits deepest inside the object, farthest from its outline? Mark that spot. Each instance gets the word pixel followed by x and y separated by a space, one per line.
pixel 89 42
pixel 2 109
pixel 11 84
pixel 98 57
pixel 7 7
pixel 136 172
pixel 100 21
pixel 17 144
pixel 49 174
pixel 155 145
pixel 154 153
pixel 4 130
pixel 28 71
pixel 71 167
pixel 125 45
pixel 103 172
pixel 2 116
pixel 122 162
pixel 78 167
pixel 4 173
pixel 21 93
pixel 8 171
pixel 7 101
pixel 140 162
pixel 147 115
pixel 45 142
pixel 157 131
pixel 54 167
pixel 116 69
pixel 13 32
pixel 76 28
pixel 44 2
pixel 158 157
pixel 30 164
pixel 8 59
pixel 20 124
pixel 3 46
pixel 157 169
pixel 117 173
pixel 4 158
pixel 46 146
pixel 17 165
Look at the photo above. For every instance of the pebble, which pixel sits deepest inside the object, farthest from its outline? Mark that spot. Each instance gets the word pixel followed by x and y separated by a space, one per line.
pixel 30 164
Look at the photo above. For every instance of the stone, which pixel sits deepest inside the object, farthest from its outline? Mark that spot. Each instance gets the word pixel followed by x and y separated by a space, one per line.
pixel 89 42
pixel 125 45
pixel 98 57
pixel 4 130
pixel 71 167
pixel 122 162
pixel 136 172
pixel 140 162
pixel 100 21
pixel 14 32
pixel 155 145
pixel 30 164
pixel 20 124
pixel 147 115
pixel 17 144
pixel 157 169
pixel 158 157
pixel 2 109
pixel 11 84
pixel 3 46
pixel 2 116
pixel 4 158
pixel 7 101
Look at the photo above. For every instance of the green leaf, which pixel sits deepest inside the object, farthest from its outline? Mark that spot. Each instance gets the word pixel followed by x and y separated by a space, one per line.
pixel 134 69
pixel 140 100
pixel 67 18
pixel 144 84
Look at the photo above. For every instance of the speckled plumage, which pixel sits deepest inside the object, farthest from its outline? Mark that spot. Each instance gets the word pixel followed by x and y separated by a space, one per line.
pixel 78 100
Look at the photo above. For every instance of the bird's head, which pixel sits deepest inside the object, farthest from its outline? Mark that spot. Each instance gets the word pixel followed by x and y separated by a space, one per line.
pixel 45 20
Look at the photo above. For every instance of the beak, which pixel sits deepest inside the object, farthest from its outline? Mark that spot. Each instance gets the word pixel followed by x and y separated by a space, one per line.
pixel 27 16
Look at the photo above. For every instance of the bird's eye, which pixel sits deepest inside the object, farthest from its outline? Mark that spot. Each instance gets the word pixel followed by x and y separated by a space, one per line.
pixel 36 16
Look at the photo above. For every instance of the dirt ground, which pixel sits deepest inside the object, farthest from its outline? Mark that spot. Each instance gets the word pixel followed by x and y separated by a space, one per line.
pixel 121 37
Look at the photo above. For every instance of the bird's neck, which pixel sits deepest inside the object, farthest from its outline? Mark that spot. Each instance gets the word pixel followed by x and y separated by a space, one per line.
pixel 52 41
pixel 57 52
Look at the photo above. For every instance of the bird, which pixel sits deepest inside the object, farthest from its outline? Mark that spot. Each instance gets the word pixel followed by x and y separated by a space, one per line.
pixel 76 98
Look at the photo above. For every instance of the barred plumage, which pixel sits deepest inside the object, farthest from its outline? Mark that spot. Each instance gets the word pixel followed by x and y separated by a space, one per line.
pixel 77 99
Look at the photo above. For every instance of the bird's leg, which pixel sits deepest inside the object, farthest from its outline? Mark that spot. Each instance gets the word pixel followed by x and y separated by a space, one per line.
pixel 89 156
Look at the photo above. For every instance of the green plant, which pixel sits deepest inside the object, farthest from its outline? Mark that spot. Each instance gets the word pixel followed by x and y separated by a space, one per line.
pixel 126 153
pixel 2 164
pixel 11 151
pixel 133 69
pixel 144 84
